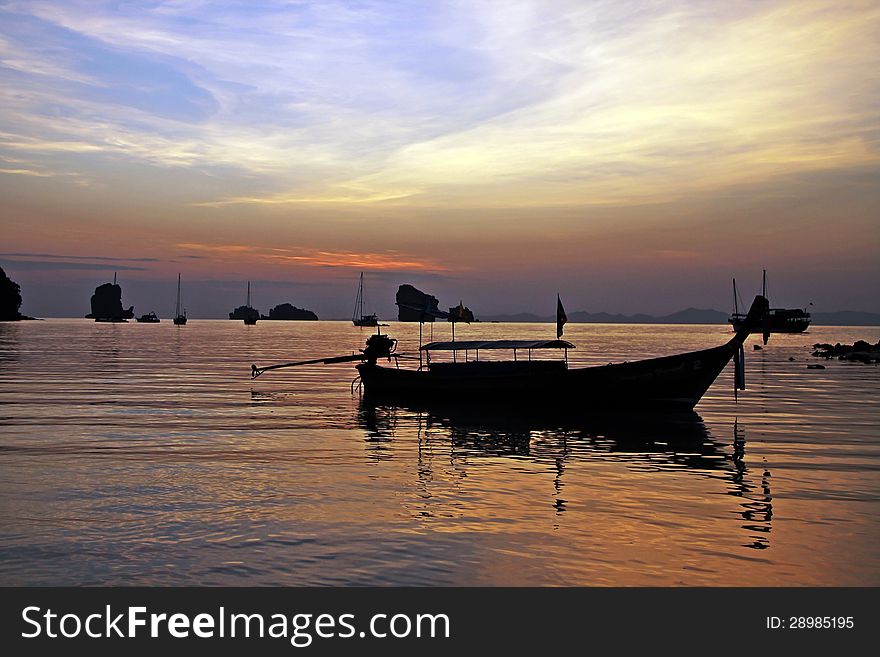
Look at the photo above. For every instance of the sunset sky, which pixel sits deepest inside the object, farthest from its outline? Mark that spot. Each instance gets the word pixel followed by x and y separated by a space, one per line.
pixel 633 156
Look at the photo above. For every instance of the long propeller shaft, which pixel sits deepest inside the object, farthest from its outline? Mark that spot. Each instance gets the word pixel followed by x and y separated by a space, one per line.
pixel 256 371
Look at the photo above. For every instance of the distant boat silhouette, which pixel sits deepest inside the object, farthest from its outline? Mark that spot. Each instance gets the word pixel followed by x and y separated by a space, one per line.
pixel 245 312
pixel 179 318
pixel 149 318
pixel 777 320
pixel 358 318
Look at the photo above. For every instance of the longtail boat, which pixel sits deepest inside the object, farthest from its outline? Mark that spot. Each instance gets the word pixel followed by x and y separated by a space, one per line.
pixel 675 382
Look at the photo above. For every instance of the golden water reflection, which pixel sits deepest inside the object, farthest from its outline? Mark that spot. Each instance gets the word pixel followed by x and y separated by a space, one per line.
pixel 652 443
pixel 145 454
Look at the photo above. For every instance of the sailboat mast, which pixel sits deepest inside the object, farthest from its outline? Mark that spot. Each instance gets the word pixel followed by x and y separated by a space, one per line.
pixel 248 304
pixel 764 285
pixel 177 307
pixel 358 312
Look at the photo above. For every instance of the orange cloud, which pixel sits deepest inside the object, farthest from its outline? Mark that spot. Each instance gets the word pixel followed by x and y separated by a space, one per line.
pixel 381 261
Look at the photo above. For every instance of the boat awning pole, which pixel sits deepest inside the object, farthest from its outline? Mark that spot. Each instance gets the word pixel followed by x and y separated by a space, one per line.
pixel 735 303
pixel 453 339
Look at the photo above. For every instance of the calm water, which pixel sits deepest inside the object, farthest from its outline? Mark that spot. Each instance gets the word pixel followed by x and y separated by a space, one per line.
pixel 144 454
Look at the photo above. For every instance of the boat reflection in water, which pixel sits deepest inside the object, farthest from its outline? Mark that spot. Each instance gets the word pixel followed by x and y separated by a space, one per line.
pixel 649 444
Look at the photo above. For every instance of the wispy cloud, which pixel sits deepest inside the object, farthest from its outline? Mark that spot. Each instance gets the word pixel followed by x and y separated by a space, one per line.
pixel 59 256
pixel 25 172
pixel 379 261
pixel 55 265
pixel 498 104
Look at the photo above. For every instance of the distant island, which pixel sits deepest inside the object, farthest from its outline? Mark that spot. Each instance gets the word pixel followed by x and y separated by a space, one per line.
pixel 414 305
pixel 244 312
pixel 846 318
pixel 287 311
pixel 10 299
pixel 687 316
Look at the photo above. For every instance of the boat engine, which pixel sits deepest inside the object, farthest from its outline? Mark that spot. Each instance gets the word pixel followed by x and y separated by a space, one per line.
pixel 379 346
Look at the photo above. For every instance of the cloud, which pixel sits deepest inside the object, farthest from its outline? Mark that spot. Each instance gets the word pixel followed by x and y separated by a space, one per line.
pixel 54 265
pixel 26 172
pixel 75 257
pixel 504 104
pixel 379 261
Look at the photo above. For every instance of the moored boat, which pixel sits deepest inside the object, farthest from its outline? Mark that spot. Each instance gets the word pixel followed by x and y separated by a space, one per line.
pixel 246 312
pixel 675 382
pixel 358 318
pixel 179 316
pixel 776 320
pixel 149 318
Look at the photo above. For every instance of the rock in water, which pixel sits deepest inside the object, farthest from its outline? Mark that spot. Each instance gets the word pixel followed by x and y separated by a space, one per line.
pixel 289 311
pixel 10 298
pixel 461 313
pixel 860 351
pixel 107 304
pixel 244 312
pixel 414 305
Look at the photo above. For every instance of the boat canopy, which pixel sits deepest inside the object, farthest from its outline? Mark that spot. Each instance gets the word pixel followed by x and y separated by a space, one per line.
pixel 467 345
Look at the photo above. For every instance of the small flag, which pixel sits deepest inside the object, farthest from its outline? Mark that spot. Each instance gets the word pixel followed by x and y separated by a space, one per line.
pixel 561 319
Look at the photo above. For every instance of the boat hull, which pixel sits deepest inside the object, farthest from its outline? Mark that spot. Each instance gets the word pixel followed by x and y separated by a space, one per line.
pixel 673 382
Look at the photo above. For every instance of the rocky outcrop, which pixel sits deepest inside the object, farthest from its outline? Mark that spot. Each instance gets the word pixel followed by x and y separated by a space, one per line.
pixel 416 306
pixel 860 351
pixel 288 311
pixel 461 313
pixel 107 304
pixel 244 312
pixel 10 299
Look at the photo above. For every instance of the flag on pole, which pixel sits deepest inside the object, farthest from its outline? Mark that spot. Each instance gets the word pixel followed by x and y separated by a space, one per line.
pixel 561 319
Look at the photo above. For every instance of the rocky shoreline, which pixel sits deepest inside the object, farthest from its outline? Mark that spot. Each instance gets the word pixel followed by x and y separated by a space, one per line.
pixel 860 351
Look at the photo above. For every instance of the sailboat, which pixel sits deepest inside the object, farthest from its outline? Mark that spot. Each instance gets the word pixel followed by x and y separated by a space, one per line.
pixel 358 318
pixel 777 320
pixel 251 316
pixel 179 318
